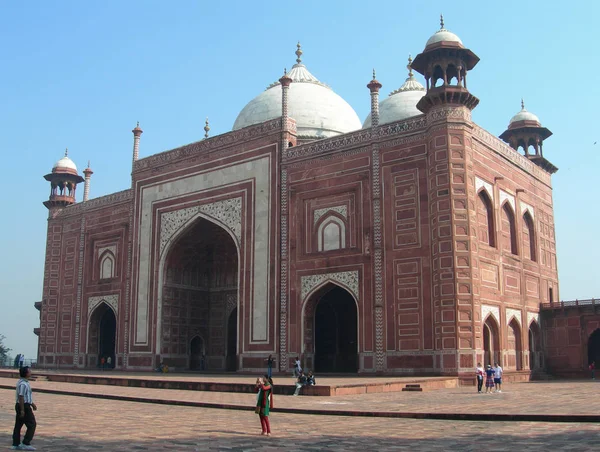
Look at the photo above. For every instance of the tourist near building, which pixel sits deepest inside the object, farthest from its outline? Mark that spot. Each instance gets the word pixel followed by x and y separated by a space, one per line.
pixel 413 243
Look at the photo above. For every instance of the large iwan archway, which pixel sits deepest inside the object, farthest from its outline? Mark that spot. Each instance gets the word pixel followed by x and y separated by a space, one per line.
pixel 200 283
pixel 331 318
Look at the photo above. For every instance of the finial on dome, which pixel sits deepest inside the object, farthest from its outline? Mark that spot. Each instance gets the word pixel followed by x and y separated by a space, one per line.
pixel 441 21
pixel 299 53
pixel 409 67
pixel 373 73
pixel 66 152
pixel 284 71
pixel 206 128
pixel 88 163
pixel 522 104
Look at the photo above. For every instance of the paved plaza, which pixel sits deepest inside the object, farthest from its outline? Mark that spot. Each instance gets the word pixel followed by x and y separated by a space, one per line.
pixel 72 423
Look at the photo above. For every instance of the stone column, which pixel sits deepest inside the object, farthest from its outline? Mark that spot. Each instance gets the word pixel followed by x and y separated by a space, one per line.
pixel 283 356
pixel 374 86
pixel 86 186
pixel 137 133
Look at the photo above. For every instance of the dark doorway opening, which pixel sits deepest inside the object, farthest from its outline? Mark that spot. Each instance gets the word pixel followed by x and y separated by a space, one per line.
pixel 336 332
pixel 535 347
pixel 491 342
pixel 232 338
pixel 594 348
pixel 197 354
pixel 107 337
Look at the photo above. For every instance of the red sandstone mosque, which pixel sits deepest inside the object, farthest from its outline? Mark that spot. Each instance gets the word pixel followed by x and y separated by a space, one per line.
pixel 413 243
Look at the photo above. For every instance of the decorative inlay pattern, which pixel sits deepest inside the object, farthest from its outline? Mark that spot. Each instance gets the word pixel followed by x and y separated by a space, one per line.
pixel 230 303
pixel 111 248
pixel 533 317
pixel 479 183
pixel 227 211
pixel 348 279
pixel 527 207
pixel 79 290
pixel 380 355
pixel 283 360
pixel 510 154
pixel 516 313
pixel 487 310
pixel 449 113
pixel 318 213
pixel 111 300
pixel 217 142
pixel 95 203
pixel 508 197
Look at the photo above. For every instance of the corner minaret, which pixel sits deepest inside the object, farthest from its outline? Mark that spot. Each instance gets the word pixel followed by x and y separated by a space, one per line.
pixel 374 86
pixel 444 63
pixel 137 133
pixel 525 131
pixel 63 183
pixel 86 186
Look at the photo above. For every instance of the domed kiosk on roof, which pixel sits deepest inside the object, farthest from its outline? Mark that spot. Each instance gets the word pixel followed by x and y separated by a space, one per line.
pixel 65 164
pixel 318 111
pixel 63 183
pixel 401 103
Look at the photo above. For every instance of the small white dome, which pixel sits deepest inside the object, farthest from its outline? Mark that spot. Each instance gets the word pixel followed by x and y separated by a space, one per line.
pixel 401 103
pixel 443 35
pixel 65 163
pixel 318 111
pixel 524 115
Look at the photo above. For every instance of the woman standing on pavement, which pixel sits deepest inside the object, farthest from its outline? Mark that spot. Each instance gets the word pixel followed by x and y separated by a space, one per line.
pixel 264 402
pixel 489 379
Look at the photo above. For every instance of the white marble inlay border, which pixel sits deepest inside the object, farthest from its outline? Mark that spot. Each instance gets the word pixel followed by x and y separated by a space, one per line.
pixel 111 300
pixel 257 170
pixel 227 211
pixel 527 207
pixel 494 311
pixel 342 210
pixel 533 316
pixel 348 279
pixel 516 313
pixel 111 248
pixel 507 196
pixel 486 186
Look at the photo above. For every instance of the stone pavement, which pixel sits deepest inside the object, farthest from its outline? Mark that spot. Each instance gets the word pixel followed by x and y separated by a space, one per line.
pixel 67 423
pixel 534 398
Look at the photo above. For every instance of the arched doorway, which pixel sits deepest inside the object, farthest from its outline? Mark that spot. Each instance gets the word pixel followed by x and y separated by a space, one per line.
pixel 197 353
pixel 232 341
pixel 514 350
pixel 535 347
pixel 336 332
pixel 102 337
pixel 491 341
pixel 594 348
pixel 200 279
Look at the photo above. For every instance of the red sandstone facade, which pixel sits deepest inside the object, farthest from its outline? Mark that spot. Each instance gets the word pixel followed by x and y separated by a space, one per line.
pixel 421 246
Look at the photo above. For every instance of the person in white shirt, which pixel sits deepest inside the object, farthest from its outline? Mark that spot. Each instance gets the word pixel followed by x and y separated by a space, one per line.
pixel 498 377
pixel 297 368
pixel 479 372
pixel 24 408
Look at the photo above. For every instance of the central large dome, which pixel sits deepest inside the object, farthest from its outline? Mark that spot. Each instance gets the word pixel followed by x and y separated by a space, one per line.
pixel 318 111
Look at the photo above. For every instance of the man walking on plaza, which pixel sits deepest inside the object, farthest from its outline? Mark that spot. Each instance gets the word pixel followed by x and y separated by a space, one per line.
pixel 498 377
pixel 24 408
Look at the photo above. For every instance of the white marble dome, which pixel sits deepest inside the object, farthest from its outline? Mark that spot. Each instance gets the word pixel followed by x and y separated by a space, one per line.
pixel 401 103
pixel 317 110
pixel 524 115
pixel 443 35
pixel 65 163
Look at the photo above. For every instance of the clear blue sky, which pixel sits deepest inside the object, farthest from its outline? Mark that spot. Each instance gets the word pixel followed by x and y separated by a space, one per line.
pixel 80 74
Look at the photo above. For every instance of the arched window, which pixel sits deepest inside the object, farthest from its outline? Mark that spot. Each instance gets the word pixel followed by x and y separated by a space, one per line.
pixel 485 219
pixel 529 237
pixel 107 266
pixel 331 234
pixel 509 235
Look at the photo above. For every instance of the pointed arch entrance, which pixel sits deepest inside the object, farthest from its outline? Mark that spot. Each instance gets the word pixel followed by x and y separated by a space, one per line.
pixel 535 347
pixel 514 349
pixel 491 341
pixel 331 330
pixel 102 339
pixel 200 280
pixel 594 348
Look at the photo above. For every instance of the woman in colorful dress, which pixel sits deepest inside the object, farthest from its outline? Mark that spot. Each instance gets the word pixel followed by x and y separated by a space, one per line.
pixel 489 379
pixel 264 402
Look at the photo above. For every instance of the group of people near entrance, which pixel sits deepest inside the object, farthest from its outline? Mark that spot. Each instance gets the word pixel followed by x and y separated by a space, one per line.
pixel 493 378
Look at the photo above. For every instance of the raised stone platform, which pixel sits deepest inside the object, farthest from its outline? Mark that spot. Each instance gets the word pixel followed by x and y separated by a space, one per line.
pixel 327 386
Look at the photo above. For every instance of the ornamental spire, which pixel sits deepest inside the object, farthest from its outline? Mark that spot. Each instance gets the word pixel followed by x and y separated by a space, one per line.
pixel 522 104
pixel 206 128
pixel 299 53
pixel 409 67
pixel 374 74
pixel 66 152
pixel 441 21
